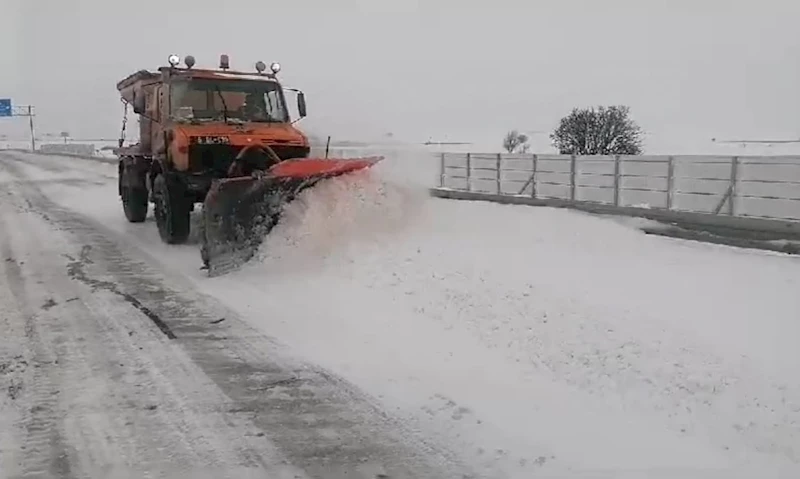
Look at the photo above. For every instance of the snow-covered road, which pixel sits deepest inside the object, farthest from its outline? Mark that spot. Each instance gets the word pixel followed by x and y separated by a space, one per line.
pixel 112 367
pixel 519 341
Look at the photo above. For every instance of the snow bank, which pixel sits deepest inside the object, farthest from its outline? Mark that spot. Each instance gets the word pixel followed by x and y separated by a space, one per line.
pixel 520 329
pixel 532 340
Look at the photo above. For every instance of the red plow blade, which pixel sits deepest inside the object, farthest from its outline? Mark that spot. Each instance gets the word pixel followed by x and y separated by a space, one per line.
pixel 320 167
pixel 239 212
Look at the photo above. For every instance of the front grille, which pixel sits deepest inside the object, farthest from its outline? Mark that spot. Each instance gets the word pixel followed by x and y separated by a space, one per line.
pixel 216 159
pixel 212 159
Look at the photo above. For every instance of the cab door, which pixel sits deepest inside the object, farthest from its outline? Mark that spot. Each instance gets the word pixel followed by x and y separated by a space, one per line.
pixel 157 106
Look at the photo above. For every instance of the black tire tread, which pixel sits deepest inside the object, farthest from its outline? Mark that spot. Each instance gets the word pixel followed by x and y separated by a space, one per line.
pixel 173 210
pixel 135 203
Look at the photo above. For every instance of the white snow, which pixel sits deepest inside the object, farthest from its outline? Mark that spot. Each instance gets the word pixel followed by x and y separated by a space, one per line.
pixel 533 340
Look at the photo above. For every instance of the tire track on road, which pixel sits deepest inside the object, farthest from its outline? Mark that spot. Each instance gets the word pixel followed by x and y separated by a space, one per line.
pixel 318 422
pixel 15 360
pixel 128 404
pixel 43 447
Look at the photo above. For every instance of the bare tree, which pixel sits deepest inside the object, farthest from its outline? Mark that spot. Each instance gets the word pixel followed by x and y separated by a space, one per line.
pixel 601 131
pixel 515 140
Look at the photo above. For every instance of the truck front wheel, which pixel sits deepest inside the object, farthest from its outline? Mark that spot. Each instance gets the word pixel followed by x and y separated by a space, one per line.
pixel 135 203
pixel 172 210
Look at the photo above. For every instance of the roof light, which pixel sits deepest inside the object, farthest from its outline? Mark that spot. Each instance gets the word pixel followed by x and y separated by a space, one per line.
pixel 275 67
pixel 189 61
pixel 224 63
pixel 174 60
pixel 260 66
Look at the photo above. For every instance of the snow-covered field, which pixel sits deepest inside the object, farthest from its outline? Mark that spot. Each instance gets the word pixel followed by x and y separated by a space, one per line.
pixel 532 341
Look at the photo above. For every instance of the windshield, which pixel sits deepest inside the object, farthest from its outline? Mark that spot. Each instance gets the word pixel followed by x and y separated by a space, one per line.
pixel 230 100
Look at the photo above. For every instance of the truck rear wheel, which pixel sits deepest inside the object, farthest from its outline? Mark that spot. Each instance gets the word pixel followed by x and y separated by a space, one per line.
pixel 172 210
pixel 132 191
pixel 134 203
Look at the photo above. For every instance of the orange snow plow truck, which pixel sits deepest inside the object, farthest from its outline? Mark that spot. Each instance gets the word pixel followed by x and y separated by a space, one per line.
pixel 221 138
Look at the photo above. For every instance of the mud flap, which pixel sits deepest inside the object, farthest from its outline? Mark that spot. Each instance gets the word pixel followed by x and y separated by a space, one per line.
pixel 239 212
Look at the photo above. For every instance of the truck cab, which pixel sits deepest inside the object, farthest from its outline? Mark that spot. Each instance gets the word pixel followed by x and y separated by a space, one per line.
pixel 197 120
pixel 195 125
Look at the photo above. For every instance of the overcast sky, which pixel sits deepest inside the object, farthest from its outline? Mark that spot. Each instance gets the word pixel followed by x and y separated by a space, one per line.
pixel 457 69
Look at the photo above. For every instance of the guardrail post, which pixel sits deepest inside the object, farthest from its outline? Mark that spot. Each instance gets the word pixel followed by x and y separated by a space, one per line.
pixel 499 173
pixel 469 172
pixel 734 180
pixel 533 176
pixel 616 179
pixel 572 163
pixel 670 182
pixel 441 171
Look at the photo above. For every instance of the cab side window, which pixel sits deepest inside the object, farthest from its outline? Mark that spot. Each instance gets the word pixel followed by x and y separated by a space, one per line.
pixel 275 106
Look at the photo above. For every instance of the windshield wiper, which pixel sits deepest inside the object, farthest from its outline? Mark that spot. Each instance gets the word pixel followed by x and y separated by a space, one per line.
pixel 224 106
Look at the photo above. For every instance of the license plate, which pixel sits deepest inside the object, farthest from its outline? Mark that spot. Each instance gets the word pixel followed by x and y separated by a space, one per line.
pixel 212 140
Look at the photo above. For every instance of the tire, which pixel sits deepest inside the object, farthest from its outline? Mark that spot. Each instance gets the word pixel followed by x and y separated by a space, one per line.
pixel 204 255
pixel 171 208
pixel 135 203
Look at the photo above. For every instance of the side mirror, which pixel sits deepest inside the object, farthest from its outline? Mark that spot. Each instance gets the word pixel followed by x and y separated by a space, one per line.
pixel 139 105
pixel 301 104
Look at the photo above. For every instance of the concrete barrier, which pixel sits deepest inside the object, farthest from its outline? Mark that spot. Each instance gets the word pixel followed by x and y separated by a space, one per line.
pixel 751 186
pixel 757 233
pixel 82 151
pixel 754 227
pixel 77 149
pixel 753 199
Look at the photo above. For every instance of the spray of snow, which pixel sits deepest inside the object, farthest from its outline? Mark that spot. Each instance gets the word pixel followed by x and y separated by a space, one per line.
pixel 357 211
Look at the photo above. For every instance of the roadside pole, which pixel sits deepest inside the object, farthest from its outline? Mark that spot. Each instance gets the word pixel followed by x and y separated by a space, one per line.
pixel 7 110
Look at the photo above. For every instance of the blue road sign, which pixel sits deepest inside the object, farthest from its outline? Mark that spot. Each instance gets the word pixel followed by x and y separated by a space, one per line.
pixel 5 107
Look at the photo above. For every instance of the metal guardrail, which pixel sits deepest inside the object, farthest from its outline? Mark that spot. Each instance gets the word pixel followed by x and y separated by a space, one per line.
pixel 765 187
